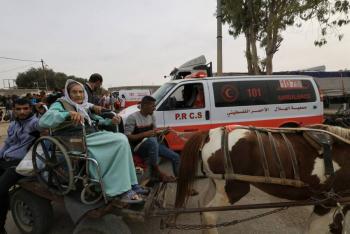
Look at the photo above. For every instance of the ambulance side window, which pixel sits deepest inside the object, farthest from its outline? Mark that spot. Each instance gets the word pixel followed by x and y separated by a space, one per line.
pixel 263 92
pixel 241 93
pixel 292 91
pixel 188 96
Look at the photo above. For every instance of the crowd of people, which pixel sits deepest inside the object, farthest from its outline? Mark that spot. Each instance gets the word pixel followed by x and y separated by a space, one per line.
pixel 35 99
pixel 112 150
pixel 104 99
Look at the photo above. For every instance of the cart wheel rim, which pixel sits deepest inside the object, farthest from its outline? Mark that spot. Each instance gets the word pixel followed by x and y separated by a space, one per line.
pixel 24 216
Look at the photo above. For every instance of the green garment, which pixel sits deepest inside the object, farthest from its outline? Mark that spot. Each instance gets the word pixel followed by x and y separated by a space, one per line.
pixel 110 150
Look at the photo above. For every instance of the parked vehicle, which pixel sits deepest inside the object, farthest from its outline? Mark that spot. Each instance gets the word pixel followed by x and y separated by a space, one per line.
pixel 268 101
pixel 131 96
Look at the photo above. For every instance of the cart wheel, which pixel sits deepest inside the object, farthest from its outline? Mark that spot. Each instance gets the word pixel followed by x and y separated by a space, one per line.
pixel 108 224
pixel 52 165
pixel 32 214
pixel 91 193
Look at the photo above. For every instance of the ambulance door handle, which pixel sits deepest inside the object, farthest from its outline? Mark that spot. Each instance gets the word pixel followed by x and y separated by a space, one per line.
pixel 207 115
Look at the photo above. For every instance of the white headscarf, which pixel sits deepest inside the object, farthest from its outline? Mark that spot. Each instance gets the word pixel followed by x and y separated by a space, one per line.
pixel 81 108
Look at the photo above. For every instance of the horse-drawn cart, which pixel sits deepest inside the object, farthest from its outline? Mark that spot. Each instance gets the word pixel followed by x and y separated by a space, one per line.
pixel 31 205
pixel 31 201
pixel 32 211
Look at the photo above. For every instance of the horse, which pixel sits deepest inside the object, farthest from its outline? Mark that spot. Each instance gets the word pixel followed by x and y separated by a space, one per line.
pixel 280 162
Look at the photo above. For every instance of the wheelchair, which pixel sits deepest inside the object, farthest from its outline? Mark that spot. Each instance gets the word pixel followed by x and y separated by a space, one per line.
pixel 61 164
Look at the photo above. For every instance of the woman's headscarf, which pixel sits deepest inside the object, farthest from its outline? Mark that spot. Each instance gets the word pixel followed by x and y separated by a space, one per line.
pixel 82 108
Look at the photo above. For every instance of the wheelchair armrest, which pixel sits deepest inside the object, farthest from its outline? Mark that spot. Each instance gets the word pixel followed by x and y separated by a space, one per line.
pixel 107 114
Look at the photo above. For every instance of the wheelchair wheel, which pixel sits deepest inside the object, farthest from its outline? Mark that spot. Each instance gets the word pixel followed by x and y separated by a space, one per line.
pixel 91 193
pixel 52 165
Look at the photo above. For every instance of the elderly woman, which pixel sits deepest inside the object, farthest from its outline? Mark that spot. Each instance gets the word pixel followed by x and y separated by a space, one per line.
pixel 111 150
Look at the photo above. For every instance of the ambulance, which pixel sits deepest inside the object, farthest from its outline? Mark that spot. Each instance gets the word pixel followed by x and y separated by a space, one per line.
pixel 265 101
pixel 131 96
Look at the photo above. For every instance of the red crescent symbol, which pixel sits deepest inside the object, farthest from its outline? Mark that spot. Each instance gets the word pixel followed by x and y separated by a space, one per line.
pixel 229 93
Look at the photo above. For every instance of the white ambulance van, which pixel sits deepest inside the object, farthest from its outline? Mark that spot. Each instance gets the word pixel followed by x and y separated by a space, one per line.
pixel 270 101
pixel 131 96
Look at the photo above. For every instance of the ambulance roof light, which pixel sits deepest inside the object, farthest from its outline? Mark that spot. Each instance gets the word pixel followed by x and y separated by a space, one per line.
pixel 199 74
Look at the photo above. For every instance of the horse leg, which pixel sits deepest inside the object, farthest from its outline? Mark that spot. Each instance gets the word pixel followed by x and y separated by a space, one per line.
pixel 225 193
pixel 320 220
pixel 339 224
pixel 209 195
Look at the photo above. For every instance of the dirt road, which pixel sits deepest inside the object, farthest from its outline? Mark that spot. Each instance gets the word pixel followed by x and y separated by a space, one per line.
pixel 290 221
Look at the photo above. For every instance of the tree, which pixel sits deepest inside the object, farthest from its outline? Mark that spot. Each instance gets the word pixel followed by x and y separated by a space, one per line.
pixel 34 78
pixel 263 21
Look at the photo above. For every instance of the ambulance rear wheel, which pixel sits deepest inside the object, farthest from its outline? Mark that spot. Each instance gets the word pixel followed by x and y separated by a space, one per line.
pixel 290 125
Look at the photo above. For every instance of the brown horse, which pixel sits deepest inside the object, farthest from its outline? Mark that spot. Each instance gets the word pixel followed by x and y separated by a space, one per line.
pixel 289 168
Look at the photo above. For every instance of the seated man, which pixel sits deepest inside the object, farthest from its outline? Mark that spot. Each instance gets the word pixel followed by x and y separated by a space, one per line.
pixel 193 96
pixel 21 134
pixel 199 101
pixel 140 128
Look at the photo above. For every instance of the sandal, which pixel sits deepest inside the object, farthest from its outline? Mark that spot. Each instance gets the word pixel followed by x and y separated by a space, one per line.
pixel 139 189
pixel 131 197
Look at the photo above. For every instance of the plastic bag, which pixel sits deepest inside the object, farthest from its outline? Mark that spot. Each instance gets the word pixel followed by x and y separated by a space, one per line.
pixel 25 167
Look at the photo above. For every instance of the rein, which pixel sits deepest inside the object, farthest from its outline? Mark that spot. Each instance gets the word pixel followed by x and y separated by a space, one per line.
pixel 227 159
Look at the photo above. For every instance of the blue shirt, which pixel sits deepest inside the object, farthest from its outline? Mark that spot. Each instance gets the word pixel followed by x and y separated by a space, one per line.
pixel 20 137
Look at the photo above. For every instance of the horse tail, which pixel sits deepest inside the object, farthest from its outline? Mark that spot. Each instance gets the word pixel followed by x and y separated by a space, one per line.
pixel 188 166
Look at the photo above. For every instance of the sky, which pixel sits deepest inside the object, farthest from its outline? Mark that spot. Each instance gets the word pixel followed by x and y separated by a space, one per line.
pixel 138 42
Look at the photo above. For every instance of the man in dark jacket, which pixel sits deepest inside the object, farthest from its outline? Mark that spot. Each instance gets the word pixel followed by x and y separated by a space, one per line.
pixel 95 82
pixel 22 132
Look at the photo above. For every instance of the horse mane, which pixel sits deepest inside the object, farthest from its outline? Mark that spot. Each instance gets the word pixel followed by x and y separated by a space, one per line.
pixel 339 131
pixel 188 166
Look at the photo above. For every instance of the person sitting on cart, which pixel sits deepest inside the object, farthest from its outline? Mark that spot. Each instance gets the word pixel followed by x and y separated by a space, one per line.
pixel 21 134
pixel 142 134
pixel 111 150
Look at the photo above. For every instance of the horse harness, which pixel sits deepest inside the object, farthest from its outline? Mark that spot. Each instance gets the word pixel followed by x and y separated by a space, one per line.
pixel 323 144
pixel 320 140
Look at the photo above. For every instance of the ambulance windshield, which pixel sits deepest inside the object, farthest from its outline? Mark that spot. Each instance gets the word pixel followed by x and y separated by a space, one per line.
pixel 162 91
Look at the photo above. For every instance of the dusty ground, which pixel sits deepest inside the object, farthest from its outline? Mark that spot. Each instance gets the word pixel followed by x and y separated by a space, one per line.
pixel 290 221
pixel 3 131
